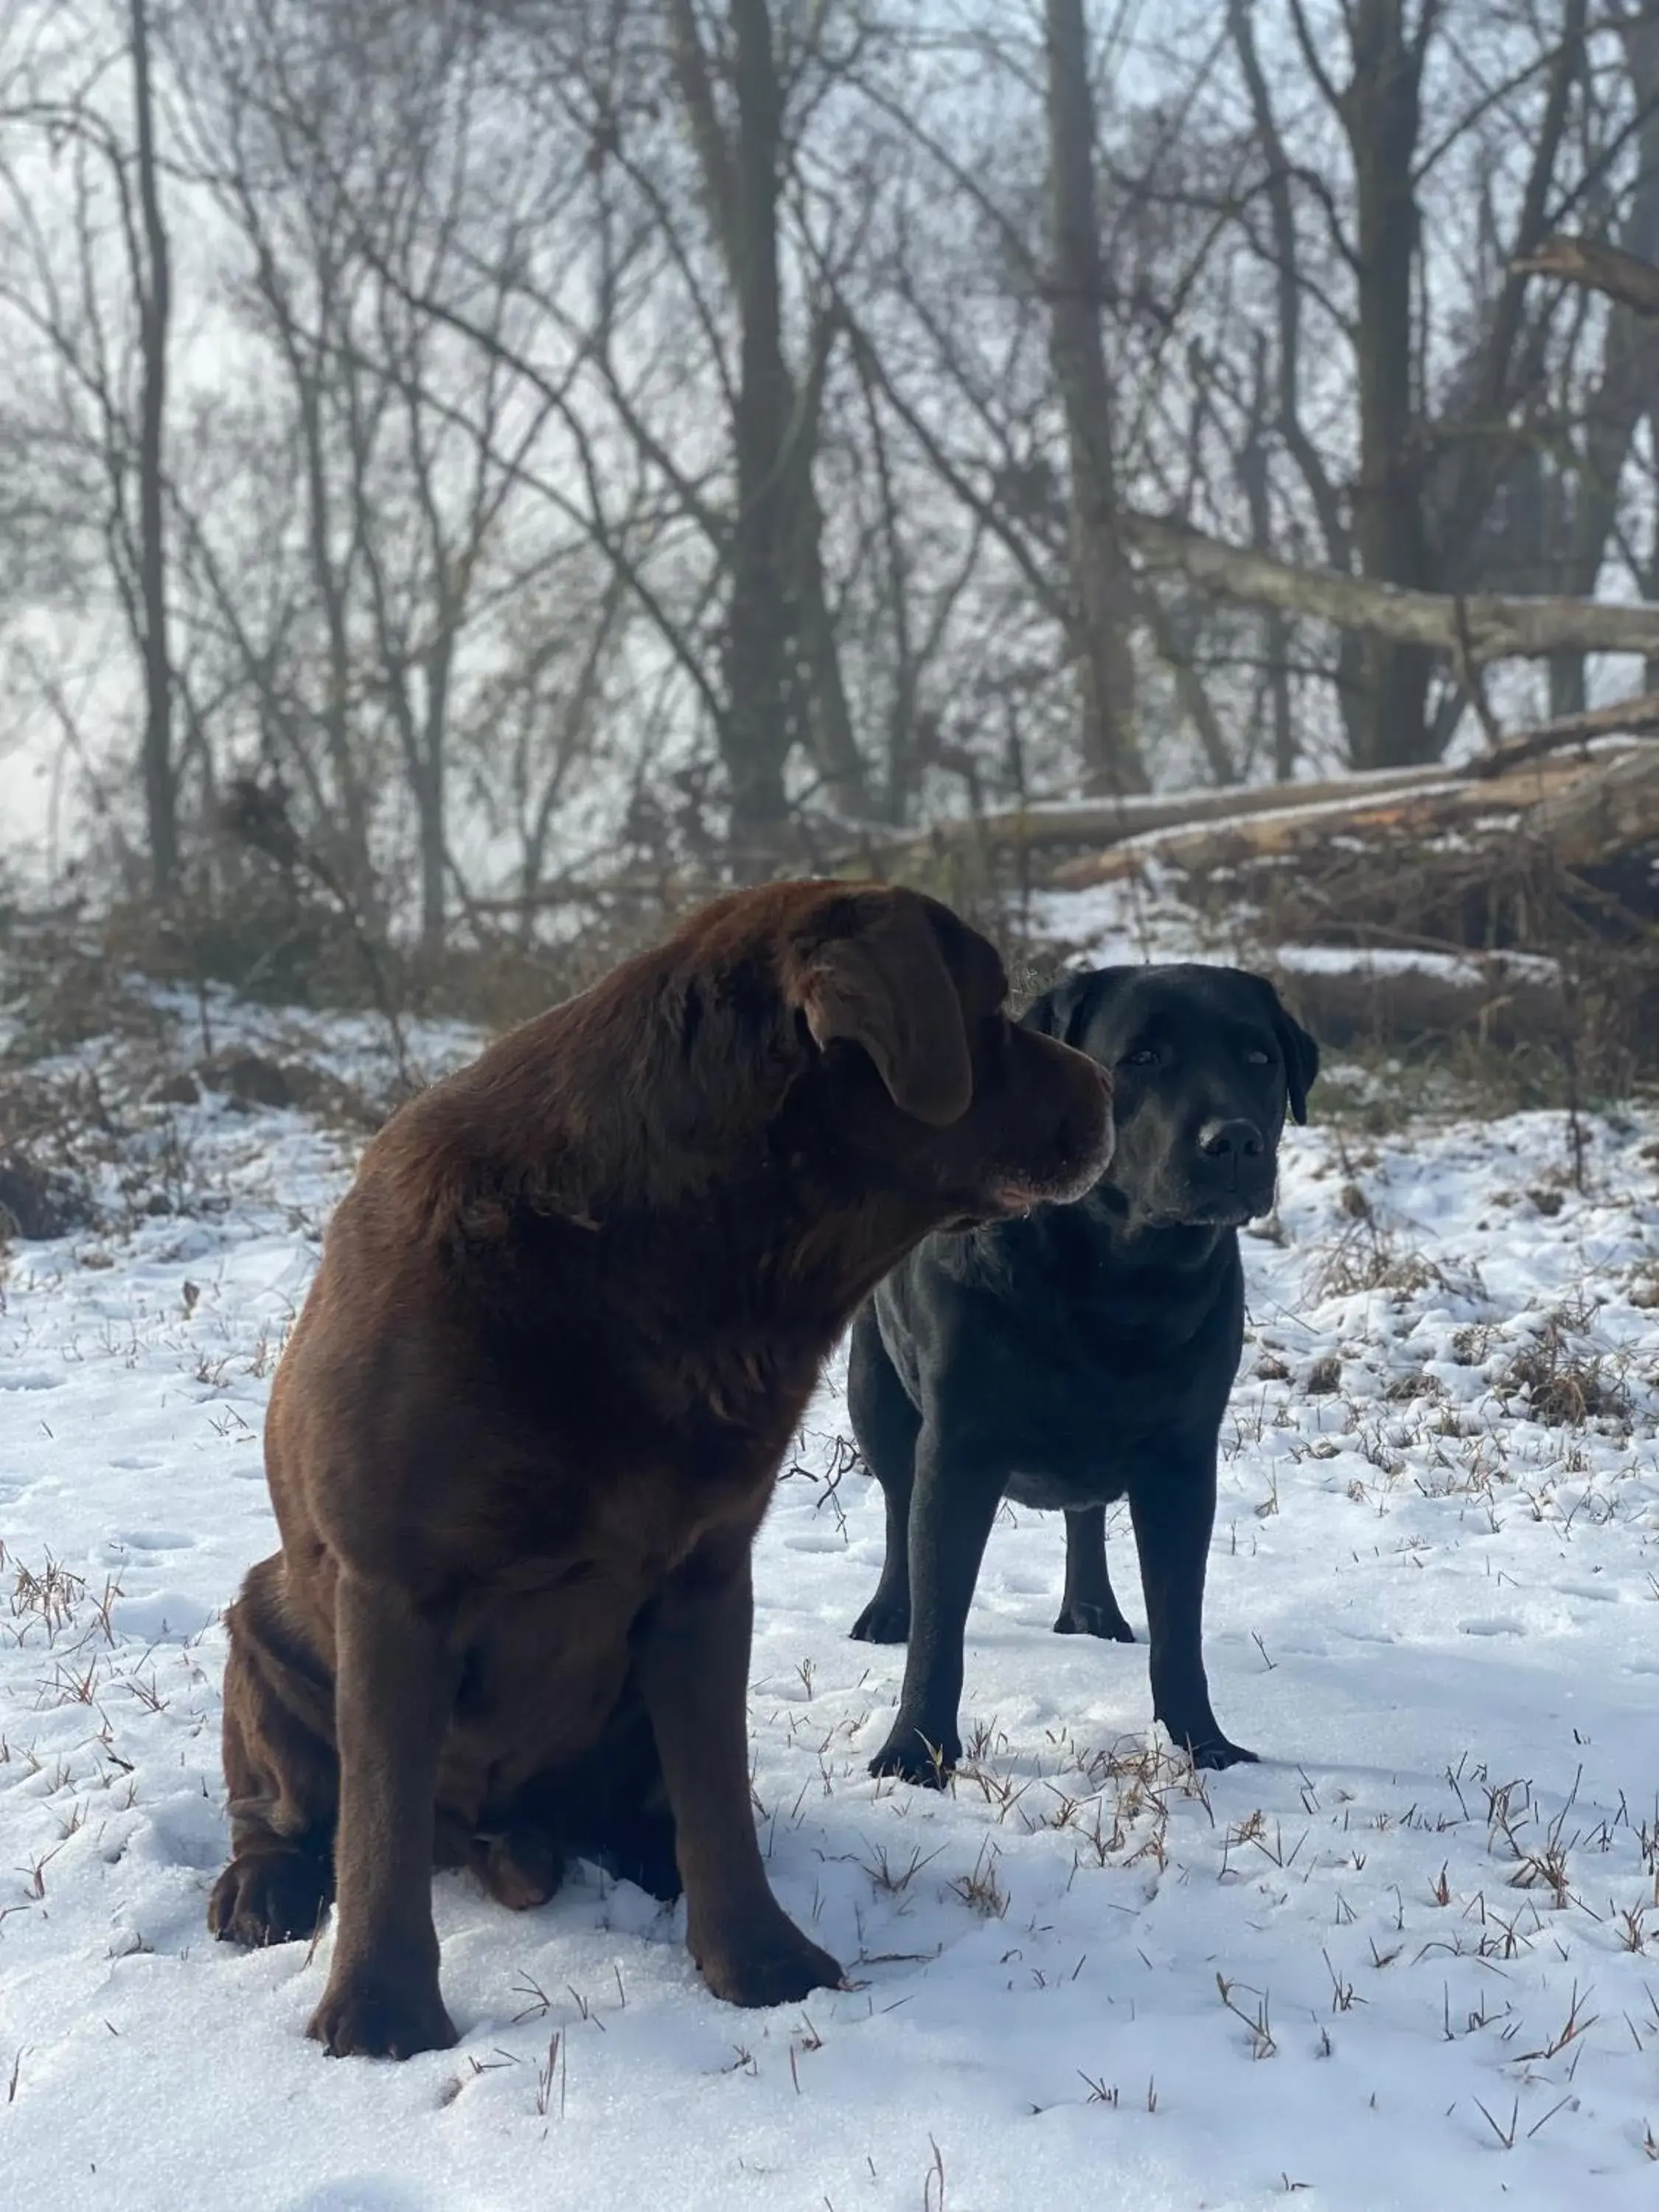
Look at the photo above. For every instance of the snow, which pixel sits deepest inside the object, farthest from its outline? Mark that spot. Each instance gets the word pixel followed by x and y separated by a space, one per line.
pixel 1405 1961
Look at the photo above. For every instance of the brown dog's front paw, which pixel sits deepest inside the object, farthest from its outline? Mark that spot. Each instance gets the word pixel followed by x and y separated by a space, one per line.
pixel 270 1897
pixel 778 1968
pixel 365 2018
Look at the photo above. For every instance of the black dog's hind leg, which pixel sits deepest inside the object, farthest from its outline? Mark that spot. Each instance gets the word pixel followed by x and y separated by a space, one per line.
pixel 1089 1606
pixel 950 1516
pixel 612 1803
pixel 886 1426
pixel 1174 1514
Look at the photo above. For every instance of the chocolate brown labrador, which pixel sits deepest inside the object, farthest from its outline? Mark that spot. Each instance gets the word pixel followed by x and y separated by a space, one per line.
pixel 521 1442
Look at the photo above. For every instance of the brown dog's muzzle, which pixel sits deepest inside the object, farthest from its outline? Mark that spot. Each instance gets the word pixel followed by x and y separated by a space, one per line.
pixel 1079 1147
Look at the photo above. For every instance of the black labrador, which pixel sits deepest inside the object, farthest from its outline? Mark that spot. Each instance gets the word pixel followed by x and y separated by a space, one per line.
pixel 1083 1353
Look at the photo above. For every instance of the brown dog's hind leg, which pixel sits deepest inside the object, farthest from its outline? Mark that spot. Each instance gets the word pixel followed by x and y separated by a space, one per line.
pixel 281 1777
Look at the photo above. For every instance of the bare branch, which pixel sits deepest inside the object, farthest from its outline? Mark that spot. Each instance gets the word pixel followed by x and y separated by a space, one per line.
pixel 1599 267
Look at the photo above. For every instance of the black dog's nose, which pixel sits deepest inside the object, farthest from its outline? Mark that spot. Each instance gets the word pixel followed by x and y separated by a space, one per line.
pixel 1230 1141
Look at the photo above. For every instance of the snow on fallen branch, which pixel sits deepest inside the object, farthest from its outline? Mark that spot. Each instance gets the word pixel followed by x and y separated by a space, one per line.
pixel 1585 810
pixel 1051 827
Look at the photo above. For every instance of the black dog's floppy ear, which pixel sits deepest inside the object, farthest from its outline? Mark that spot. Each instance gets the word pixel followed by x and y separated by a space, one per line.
pixel 886 987
pixel 1301 1051
pixel 1063 1012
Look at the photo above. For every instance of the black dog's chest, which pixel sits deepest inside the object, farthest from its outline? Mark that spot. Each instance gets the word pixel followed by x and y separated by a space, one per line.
pixel 1101 1409
pixel 1084 1433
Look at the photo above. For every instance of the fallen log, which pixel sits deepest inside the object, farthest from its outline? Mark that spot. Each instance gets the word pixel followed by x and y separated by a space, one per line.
pixel 1047 827
pixel 1634 717
pixel 1050 826
pixel 1602 814
pixel 1287 830
pixel 1349 998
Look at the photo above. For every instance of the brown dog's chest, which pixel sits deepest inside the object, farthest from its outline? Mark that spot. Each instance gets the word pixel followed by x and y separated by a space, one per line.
pixel 545 1640
pixel 541 1674
pixel 546 1624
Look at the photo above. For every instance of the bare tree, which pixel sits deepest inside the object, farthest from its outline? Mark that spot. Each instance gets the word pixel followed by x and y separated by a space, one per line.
pixel 1625 378
pixel 1100 582
pixel 152 286
pixel 412 447
pixel 73 310
pixel 532 428
pixel 743 181
pixel 779 594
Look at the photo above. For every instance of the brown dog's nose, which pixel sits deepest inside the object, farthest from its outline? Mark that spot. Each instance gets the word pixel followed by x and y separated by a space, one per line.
pixel 1230 1141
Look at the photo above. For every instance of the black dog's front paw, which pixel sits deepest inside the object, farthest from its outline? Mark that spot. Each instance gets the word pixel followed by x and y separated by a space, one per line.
pixel 1212 1753
pixel 909 1756
pixel 641 1850
pixel 1079 1617
pixel 883 1621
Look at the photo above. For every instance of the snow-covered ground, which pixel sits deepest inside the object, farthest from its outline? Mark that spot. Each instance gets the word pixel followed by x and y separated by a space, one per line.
pixel 1411 1960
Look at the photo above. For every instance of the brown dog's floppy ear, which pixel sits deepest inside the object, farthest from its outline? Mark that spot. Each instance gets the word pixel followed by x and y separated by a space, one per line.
pixel 1301 1051
pixel 886 987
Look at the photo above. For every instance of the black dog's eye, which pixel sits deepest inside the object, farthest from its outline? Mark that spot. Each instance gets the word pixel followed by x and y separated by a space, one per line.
pixel 1145 1057
pixel 1257 1057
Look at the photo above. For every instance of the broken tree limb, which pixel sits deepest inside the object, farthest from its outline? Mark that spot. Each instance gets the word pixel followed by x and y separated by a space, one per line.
pixel 1602 813
pixel 1634 717
pixel 1484 624
pixel 1377 817
pixel 1599 268
pixel 1206 846
pixel 1051 827
pixel 1360 997
pixel 1112 821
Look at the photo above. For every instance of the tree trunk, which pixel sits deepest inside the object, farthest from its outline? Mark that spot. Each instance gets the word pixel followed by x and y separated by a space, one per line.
pixel 757 635
pixel 1253 480
pixel 152 281
pixel 1381 114
pixel 829 715
pixel 1287 418
pixel 430 792
pixel 1102 591
pixel 779 591
pixel 1630 364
